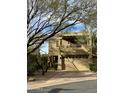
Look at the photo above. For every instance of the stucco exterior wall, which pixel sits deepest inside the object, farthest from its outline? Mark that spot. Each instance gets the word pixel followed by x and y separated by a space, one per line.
pixel 60 47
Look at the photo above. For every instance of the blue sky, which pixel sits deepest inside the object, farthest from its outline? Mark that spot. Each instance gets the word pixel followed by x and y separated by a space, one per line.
pixel 76 28
pixel 44 48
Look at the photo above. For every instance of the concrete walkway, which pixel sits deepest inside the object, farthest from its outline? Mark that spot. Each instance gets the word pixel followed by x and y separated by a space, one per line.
pixel 63 77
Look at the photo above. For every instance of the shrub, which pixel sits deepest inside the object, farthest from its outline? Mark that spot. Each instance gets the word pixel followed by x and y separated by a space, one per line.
pixel 31 64
pixel 37 62
pixel 93 65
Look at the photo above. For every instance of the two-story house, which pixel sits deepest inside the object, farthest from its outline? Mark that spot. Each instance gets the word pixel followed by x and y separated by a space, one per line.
pixel 69 50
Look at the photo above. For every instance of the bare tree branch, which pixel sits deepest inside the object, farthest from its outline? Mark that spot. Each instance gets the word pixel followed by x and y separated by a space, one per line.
pixel 48 17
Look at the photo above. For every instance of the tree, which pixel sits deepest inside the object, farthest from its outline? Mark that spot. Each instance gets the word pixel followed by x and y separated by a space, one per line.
pixel 90 21
pixel 45 18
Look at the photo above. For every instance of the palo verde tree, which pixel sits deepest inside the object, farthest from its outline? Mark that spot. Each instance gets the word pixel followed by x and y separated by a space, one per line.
pixel 45 18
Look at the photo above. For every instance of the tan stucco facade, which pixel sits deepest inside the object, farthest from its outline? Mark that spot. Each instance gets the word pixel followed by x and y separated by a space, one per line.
pixel 68 54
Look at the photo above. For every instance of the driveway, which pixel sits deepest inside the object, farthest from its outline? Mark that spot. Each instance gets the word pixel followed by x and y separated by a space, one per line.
pixel 89 86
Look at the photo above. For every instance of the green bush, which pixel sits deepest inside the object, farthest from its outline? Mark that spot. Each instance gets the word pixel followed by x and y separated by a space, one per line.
pixel 43 61
pixel 93 65
pixel 37 62
pixel 31 64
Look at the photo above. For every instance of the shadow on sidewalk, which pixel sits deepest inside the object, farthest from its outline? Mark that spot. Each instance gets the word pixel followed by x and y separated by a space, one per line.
pixel 57 90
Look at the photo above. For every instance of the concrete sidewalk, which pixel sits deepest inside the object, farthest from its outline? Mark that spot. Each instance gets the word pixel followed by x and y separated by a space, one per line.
pixel 63 77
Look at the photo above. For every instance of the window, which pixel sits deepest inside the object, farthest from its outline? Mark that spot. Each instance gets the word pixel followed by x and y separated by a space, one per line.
pixel 57 43
pixel 60 42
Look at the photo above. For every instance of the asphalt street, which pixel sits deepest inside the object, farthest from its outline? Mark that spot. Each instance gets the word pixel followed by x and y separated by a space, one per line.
pixel 78 87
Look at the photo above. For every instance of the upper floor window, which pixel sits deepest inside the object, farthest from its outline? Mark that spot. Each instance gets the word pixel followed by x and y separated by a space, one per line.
pixel 60 42
pixel 57 43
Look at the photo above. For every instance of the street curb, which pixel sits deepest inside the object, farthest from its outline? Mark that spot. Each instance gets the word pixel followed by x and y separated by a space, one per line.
pixel 41 85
